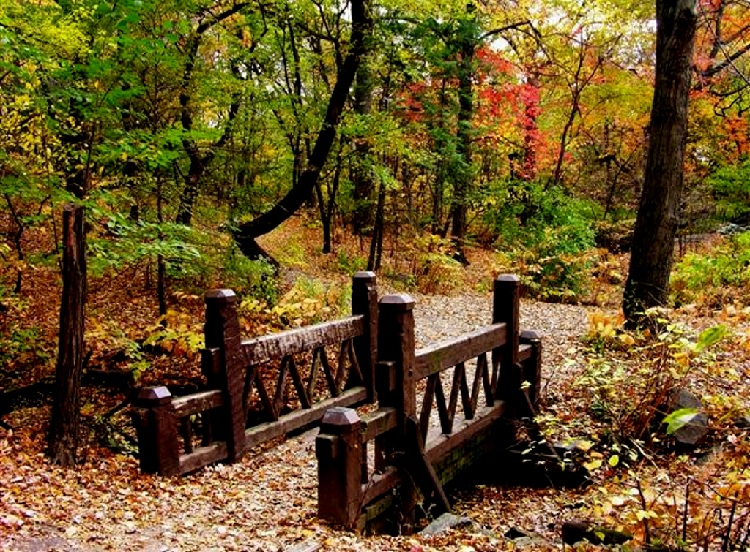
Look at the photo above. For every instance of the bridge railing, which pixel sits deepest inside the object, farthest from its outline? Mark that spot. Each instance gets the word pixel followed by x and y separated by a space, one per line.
pixel 419 439
pixel 261 388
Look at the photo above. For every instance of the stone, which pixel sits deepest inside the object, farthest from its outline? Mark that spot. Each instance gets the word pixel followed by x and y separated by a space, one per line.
pixel 694 431
pixel 445 523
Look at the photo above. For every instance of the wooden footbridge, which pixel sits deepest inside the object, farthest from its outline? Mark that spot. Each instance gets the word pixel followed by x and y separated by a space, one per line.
pixel 370 467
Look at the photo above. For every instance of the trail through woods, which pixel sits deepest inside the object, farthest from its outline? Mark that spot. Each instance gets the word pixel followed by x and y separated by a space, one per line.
pixel 267 502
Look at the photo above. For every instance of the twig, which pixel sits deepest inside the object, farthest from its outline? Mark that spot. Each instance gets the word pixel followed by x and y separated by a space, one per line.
pixel 644 506
pixel 728 531
pixel 685 511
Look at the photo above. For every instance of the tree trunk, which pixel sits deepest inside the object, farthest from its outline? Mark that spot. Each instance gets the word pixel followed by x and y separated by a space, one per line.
pixel 376 245
pixel 63 433
pixel 247 232
pixel 362 175
pixel 656 222
pixel 464 177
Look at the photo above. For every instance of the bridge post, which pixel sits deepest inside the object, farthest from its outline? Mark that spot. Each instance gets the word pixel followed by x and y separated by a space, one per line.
pixel 225 370
pixel 396 383
pixel 505 308
pixel 532 368
pixel 338 447
pixel 365 302
pixel 158 445
pixel 396 356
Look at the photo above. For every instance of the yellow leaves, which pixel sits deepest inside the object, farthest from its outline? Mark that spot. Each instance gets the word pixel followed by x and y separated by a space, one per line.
pixel 682 358
pixel 645 514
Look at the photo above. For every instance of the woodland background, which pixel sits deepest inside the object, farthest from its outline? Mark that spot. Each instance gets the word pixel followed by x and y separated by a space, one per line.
pixel 232 144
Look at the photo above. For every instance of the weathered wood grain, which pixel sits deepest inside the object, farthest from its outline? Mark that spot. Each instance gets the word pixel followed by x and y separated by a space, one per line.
pixel 203 456
pixel 301 418
pixel 378 423
pixel 444 355
pixel 197 402
pixel 290 342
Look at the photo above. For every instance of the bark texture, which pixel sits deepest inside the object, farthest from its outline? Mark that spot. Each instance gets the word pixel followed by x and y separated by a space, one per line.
pixel 63 435
pixel 656 223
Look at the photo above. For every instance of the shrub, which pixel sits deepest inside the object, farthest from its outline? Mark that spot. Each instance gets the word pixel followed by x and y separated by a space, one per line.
pixel 731 186
pixel 251 278
pixel 716 277
pixel 548 231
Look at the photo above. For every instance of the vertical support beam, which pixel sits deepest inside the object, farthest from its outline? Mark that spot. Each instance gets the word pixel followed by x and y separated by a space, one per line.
pixel 505 308
pixel 365 302
pixel 396 346
pixel 338 448
pixel 158 445
pixel 222 331
pixel 532 368
pixel 396 384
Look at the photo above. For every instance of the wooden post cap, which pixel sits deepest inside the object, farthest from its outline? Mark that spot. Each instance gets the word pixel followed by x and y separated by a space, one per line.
pixel 221 295
pixel 398 302
pixel 339 419
pixel 508 278
pixel 153 396
pixel 364 275
pixel 531 335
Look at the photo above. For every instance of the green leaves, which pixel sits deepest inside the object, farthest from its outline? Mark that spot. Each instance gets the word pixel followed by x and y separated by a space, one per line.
pixel 679 418
pixel 710 336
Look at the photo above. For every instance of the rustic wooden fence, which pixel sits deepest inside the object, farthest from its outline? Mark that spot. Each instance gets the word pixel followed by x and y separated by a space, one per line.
pixel 357 482
pixel 249 383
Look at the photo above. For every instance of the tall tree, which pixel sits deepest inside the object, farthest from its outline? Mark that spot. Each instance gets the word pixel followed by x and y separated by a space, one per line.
pixel 656 222
pixel 63 430
pixel 246 234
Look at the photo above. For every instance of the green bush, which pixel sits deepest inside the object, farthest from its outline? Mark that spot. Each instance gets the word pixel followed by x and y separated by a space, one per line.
pixel 251 278
pixel 715 277
pixel 731 186
pixel 549 232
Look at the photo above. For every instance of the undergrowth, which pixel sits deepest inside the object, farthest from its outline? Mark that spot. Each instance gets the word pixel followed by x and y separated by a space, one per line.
pixel 626 426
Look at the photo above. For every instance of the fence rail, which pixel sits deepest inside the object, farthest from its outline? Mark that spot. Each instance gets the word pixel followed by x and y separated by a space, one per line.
pixel 258 389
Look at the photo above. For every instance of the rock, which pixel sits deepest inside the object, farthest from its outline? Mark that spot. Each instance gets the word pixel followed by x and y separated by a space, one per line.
pixel 691 433
pixel 577 531
pixel 514 533
pixel 533 543
pixel 445 523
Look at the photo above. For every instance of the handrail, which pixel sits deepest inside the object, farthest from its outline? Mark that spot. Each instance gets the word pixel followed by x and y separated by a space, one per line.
pixel 448 353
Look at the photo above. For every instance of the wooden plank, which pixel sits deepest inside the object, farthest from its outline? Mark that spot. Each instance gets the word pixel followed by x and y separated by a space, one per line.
pixel 378 423
pixel 269 347
pixel 443 355
pixel 453 400
pixel 202 456
pixel 186 430
pixel 380 484
pixel 441 445
pixel 304 399
pixel 420 468
pixel 427 399
pixel 280 394
pixel 524 352
pixel 314 373
pixel 197 402
pixel 301 418
pixel 479 371
pixel 445 419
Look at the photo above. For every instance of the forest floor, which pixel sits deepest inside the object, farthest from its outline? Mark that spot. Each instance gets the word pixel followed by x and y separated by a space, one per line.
pixel 599 384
